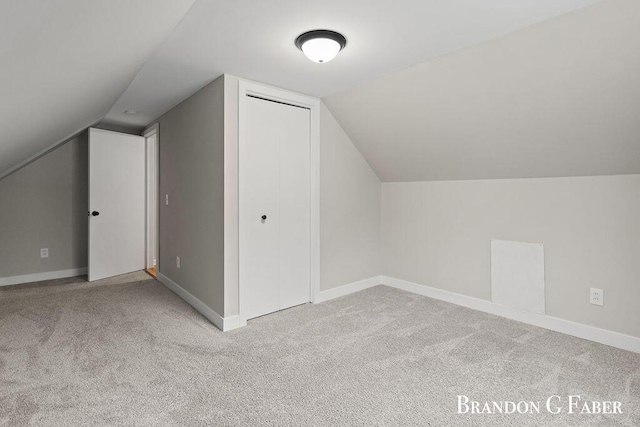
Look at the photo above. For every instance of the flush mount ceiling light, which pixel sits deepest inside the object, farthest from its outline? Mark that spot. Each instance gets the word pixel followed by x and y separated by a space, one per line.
pixel 321 45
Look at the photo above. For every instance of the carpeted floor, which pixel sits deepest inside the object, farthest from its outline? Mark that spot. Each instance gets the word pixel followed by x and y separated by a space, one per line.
pixel 118 353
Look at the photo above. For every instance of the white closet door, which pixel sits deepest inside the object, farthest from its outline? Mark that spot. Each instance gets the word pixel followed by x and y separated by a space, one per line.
pixel 274 183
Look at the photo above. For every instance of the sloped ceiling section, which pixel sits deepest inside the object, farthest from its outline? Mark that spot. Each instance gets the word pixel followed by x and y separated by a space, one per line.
pixel 560 98
pixel 63 64
pixel 254 39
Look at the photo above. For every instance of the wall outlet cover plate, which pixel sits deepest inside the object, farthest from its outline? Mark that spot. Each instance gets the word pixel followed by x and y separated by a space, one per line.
pixel 596 296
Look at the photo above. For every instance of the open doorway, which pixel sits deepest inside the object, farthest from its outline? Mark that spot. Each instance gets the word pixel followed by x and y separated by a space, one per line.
pixel 151 136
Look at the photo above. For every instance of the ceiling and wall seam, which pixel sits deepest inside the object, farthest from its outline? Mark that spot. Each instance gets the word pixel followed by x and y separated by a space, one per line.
pixel 555 99
pixel 44 152
pixel 260 45
pixel 65 64
pixel 182 58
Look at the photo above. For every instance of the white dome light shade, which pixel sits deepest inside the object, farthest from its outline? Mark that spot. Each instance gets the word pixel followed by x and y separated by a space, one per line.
pixel 321 45
pixel 321 50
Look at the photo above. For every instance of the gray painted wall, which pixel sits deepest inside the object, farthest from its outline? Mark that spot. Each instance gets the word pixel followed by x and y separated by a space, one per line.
pixel 44 205
pixel 438 234
pixel 192 173
pixel 349 209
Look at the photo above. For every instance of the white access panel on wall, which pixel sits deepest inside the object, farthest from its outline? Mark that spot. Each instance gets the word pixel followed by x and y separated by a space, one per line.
pixel 517 275
pixel 116 203
pixel 274 207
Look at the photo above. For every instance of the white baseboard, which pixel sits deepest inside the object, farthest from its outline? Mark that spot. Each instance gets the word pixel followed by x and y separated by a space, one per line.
pixel 348 289
pixel 232 322
pixel 37 277
pixel 603 336
pixel 224 324
pixel 591 333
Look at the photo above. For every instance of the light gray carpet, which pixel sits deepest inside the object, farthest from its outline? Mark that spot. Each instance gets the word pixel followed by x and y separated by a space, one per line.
pixel 135 354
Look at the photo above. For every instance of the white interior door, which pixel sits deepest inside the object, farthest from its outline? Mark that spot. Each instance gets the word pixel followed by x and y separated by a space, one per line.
pixel 116 203
pixel 274 207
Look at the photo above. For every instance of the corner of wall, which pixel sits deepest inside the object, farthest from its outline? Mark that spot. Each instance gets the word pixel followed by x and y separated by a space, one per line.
pixel 231 224
pixel 350 199
pixel 191 226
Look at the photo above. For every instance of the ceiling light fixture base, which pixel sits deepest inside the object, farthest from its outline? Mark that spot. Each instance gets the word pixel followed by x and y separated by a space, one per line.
pixel 321 45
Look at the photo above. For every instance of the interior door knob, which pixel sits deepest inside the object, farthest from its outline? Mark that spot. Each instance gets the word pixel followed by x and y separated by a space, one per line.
pixel 264 217
pixel 95 213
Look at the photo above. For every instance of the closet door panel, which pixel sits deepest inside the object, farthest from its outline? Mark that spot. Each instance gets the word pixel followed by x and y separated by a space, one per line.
pixel 294 215
pixel 259 185
pixel 274 185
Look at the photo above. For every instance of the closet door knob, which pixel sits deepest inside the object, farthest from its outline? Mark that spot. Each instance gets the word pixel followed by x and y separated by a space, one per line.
pixel 264 217
pixel 95 213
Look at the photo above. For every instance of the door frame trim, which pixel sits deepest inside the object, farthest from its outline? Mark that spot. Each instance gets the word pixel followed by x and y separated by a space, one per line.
pixel 248 88
pixel 152 156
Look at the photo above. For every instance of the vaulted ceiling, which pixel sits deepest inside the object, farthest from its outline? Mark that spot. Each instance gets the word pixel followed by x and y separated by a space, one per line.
pixel 63 64
pixel 559 98
pixel 500 89
pixel 254 39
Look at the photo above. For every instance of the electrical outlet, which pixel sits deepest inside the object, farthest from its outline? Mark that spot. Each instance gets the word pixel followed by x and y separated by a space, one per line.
pixel 178 261
pixel 44 253
pixel 596 296
pixel 166 199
